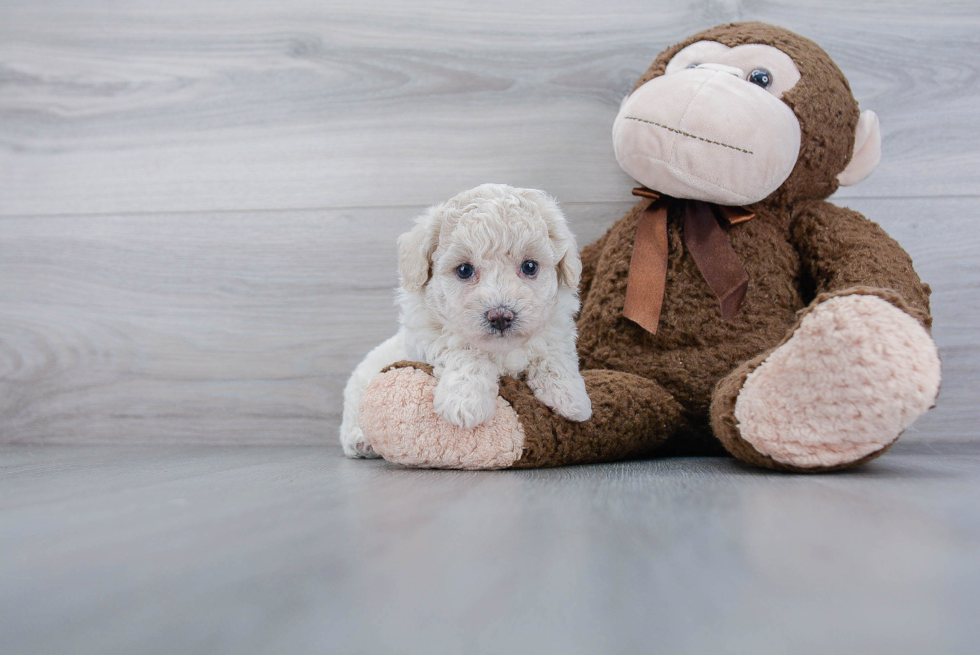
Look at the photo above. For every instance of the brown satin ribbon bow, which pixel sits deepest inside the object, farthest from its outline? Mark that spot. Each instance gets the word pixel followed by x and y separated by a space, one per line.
pixel 706 241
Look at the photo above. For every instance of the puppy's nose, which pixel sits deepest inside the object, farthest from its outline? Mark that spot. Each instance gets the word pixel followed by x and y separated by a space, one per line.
pixel 500 318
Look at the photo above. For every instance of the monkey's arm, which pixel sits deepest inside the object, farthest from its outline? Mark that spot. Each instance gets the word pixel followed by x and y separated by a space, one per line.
pixel 844 253
pixel 631 416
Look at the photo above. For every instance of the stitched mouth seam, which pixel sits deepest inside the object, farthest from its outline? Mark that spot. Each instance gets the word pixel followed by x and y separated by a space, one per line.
pixel 693 136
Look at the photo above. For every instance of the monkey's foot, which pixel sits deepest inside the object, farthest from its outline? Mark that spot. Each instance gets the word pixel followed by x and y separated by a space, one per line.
pixel 398 416
pixel 853 376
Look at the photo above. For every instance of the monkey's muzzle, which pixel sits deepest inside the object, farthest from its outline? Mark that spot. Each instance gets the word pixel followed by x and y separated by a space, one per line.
pixel 707 134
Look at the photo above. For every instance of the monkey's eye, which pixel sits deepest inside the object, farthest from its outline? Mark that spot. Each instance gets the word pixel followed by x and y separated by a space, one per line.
pixel 762 77
pixel 529 268
pixel 465 271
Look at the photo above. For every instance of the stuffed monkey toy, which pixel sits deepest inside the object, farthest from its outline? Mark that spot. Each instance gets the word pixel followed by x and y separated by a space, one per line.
pixel 732 309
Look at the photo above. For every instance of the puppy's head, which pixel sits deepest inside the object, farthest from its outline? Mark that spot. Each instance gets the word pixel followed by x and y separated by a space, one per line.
pixel 494 264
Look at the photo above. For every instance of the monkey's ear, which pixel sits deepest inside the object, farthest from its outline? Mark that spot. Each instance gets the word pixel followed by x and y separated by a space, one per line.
pixel 867 150
pixel 415 249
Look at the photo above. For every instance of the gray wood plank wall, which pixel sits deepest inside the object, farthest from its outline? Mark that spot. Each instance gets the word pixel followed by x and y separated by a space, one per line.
pixel 199 200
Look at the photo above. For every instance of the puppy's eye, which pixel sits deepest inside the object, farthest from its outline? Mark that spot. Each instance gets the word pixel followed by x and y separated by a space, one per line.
pixel 529 268
pixel 465 271
pixel 762 77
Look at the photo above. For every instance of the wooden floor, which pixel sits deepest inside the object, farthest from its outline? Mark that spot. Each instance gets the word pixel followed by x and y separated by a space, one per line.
pixel 177 549
pixel 198 208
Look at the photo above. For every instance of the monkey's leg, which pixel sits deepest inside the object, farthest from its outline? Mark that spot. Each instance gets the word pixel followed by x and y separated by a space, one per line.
pixel 850 377
pixel 631 416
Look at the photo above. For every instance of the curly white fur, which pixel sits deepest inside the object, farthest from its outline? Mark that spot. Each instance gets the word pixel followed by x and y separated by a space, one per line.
pixel 495 229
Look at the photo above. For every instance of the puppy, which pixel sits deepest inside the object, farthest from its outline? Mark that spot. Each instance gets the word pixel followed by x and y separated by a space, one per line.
pixel 489 287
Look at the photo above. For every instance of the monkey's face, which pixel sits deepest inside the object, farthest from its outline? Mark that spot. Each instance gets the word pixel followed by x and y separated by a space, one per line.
pixel 713 127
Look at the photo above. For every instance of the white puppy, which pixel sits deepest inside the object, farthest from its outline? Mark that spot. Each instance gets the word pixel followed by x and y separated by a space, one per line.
pixel 489 287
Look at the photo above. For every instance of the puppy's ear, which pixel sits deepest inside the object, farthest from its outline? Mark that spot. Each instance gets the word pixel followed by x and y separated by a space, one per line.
pixel 415 249
pixel 570 266
pixel 562 239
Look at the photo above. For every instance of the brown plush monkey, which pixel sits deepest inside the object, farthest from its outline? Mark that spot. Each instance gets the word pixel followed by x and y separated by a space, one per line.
pixel 732 309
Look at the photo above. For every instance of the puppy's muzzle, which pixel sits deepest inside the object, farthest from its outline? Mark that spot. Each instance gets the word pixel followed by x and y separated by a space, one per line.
pixel 500 318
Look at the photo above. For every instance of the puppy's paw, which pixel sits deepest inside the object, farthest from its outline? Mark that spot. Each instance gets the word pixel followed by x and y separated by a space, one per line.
pixel 566 397
pixel 464 405
pixel 355 444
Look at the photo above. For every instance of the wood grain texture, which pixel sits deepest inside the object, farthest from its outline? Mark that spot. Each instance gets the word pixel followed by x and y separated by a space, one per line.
pixel 131 107
pixel 242 327
pixel 298 550
pixel 216 328
pixel 199 200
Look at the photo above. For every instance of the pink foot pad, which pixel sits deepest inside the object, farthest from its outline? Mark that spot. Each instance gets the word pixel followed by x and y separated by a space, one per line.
pixel 853 376
pixel 398 418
